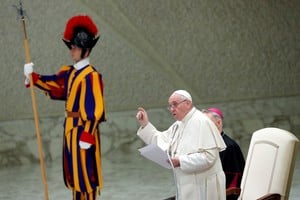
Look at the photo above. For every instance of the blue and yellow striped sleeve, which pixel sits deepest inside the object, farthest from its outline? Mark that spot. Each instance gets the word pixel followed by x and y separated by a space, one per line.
pixel 53 85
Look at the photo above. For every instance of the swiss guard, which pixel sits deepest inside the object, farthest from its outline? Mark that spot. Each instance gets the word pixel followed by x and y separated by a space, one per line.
pixel 81 87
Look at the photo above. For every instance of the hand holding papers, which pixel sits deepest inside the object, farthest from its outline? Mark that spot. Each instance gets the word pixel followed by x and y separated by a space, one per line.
pixel 156 154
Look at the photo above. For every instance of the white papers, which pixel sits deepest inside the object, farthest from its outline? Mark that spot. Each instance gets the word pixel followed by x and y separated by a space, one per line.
pixel 156 154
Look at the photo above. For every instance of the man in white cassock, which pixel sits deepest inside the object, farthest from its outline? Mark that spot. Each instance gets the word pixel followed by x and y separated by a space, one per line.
pixel 193 143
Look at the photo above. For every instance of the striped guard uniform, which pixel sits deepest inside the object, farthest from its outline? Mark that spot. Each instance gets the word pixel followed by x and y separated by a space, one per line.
pixel 82 90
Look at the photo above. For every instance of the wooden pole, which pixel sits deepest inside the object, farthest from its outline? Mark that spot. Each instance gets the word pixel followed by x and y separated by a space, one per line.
pixel 35 113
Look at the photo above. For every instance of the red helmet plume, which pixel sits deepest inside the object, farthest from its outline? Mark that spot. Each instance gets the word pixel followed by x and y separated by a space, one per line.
pixel 81 31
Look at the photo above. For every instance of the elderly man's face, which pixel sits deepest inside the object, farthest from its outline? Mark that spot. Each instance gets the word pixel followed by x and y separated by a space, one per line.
pixel 178 106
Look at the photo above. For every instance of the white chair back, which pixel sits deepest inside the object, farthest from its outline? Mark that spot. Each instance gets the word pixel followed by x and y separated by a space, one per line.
pixel 270 164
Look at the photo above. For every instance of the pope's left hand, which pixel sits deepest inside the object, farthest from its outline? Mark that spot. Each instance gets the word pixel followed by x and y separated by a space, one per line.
pixel 176 162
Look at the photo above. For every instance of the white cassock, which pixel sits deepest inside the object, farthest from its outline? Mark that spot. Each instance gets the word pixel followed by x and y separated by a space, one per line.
pixel 197 142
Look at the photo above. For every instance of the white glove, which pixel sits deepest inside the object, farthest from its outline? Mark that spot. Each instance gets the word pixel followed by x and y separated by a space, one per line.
pixel 84 145
pixel 28 69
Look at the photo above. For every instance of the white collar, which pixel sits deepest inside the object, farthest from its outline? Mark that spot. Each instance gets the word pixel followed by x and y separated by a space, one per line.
pixel 82 63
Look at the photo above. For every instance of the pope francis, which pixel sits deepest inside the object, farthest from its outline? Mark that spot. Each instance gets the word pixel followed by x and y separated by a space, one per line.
pixel 193 143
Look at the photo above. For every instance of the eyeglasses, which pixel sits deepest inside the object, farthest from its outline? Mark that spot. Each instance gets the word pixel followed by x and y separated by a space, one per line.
pixel 175 104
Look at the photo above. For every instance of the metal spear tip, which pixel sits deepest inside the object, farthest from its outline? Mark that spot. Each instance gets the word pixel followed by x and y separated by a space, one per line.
pixel 21 13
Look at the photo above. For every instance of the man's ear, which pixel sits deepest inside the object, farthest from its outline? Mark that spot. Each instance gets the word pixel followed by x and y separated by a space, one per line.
pixel 87 53
pixel 219 122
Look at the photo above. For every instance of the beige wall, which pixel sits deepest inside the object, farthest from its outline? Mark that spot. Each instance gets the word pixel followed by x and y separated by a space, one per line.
pixel 225 51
